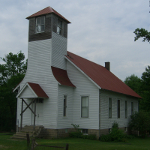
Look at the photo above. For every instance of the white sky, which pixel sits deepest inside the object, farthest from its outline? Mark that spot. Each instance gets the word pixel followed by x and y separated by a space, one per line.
pixel 100 30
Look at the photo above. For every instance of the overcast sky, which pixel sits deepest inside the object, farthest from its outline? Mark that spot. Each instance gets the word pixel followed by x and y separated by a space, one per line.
pixel 100 30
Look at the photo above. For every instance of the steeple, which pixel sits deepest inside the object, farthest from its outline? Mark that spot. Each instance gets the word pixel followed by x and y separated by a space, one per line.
pixel 46 21
pixel 47 10
pixel 48 31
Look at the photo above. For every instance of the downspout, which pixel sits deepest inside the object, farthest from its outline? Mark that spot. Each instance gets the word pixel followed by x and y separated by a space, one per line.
pixel 99 114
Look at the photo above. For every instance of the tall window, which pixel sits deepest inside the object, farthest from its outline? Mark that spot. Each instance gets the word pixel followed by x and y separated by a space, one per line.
pixel 40 24
pixel 132 108
pixel 65 106
pixel 118 108
pixel 125 109
pixel 110 107
pixel 59 27
pixel 85 106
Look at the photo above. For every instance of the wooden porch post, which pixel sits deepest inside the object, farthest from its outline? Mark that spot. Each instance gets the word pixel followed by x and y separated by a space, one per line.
pixel 22 113
pixel 34 113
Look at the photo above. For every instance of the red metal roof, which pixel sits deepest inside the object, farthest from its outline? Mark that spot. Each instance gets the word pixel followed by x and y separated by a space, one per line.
pixel 61 76
pixel 38 90
pixel 45 11
pixel 101 76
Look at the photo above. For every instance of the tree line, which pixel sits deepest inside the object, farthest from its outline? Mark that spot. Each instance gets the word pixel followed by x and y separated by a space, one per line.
pixel 12 71
pixel 142 87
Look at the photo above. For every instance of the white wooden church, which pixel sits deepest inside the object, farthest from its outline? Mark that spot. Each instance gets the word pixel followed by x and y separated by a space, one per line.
pixel 61 88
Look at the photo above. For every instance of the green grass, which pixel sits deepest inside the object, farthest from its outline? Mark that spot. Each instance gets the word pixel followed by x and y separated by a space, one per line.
pixel 75 144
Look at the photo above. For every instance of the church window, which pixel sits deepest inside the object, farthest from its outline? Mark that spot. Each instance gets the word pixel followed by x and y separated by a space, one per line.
pixel 40 24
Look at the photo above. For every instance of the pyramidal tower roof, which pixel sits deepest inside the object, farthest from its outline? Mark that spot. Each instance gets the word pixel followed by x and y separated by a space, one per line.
pixel 47 10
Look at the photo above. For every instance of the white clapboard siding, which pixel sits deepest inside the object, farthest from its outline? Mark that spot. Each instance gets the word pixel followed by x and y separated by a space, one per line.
pixel 18 111
pixel 105 121
pixel 59 50
pixel 84 87
pixel 65 122
pixel 27 93
pixel 39 71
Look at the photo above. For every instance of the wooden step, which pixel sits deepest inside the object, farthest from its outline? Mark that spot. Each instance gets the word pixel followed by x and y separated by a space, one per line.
pixel 25 130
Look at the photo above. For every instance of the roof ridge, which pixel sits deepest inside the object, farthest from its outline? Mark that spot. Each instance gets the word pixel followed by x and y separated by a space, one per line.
pixel 86 59
pixel 47 10
pixel 101 76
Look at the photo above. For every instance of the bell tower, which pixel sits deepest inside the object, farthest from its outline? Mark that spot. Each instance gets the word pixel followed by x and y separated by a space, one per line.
pixel 47 39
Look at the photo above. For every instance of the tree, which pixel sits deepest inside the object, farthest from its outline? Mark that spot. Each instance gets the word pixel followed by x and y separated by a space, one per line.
pixel 140 121
pixel 142 33
pixel 14 65
pixel 134 82
pixel 11 74
pixel 142 87
pixel 145 103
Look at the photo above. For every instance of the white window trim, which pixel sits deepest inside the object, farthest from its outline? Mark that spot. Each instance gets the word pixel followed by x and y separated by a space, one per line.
pixel 84 133
pixel 65 106
pixel 86 107
pixel 110 108
pixel 132 108
pixel 59 28
pixel 126 110
pixel 119 109
pixel 36 26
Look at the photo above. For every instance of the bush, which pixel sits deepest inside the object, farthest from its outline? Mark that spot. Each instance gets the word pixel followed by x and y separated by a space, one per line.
pixel 105 138
pixel 79 134
pixel 90 137
pixel 140 121
pixel 75 134
pixel 116 134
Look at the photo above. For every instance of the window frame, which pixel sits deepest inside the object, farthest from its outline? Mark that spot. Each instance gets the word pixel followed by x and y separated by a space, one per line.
pixel 126 109
pixel 87 107
pixel 84 131
pixel 40 24
pixel 59 27
pixel 118 108
pixel 132 108
pixel 65 106
pixel 110 107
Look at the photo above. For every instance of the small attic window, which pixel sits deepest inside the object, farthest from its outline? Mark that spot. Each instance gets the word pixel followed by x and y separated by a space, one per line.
pixel 59 27
pixel 40 24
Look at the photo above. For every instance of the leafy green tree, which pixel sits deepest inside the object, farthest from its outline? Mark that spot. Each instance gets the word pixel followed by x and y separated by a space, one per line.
pixel 11 74
pixel 140 121
pixel 142 87
pixel 146 79
pixel 142 33
pixel 134 82
pixel 14 65
pixel 145 103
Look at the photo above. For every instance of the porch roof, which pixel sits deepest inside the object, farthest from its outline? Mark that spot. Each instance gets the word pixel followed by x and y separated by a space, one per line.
pixel 32 90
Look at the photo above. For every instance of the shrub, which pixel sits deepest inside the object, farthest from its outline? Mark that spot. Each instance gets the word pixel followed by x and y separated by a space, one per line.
pixel 116 134
pixel 105 138
pixel 79 134
pixel 75 134
pixel 140 121
pixel 90 137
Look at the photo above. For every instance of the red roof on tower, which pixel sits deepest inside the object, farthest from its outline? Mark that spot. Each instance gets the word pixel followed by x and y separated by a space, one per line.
pixel 47 10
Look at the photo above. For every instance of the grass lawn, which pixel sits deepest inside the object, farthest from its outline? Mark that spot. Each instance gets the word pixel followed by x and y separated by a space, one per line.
pixel 75 144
